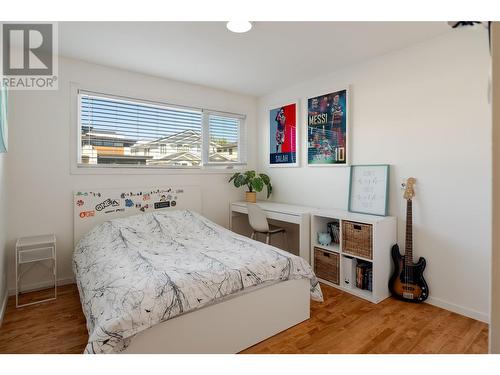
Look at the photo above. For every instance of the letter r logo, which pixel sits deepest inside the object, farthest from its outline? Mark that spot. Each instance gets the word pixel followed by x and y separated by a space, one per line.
pixel 27 49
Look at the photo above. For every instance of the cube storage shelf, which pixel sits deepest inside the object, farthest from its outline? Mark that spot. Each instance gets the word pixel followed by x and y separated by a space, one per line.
pixel 383 235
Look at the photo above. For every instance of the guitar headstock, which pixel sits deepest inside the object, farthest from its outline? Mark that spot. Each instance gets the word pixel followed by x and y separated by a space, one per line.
pixel 409 192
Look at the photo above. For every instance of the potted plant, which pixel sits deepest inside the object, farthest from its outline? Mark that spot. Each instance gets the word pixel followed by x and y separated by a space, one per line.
pixel 254 182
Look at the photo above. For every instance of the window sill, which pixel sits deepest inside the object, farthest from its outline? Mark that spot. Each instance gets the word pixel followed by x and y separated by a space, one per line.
pixel 82 169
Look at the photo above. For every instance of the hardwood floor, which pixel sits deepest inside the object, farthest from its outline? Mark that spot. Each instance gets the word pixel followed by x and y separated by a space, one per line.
pixel 342 324
pixel 50 327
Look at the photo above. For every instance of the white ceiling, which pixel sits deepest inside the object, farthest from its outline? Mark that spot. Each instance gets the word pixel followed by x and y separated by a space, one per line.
pixel 271 56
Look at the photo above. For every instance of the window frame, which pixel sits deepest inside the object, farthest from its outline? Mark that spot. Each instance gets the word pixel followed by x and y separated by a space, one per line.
pixel 77 167
pixel 205 149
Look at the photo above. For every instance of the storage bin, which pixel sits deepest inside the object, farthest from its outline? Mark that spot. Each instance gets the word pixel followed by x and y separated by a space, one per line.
pixel 357 239
pixel 326 265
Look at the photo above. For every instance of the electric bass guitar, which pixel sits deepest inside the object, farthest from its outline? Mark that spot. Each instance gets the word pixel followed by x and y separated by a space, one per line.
pixel 407 282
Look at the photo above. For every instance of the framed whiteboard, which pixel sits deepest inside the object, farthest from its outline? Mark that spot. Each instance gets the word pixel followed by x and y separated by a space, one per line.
pixel 369 189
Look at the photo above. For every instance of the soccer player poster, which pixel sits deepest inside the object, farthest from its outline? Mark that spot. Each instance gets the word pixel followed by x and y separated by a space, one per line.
pixel 327 129
pixel 283 136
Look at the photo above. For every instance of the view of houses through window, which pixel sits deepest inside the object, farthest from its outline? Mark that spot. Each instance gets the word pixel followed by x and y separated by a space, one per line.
pixel 117 131
pixel 223 138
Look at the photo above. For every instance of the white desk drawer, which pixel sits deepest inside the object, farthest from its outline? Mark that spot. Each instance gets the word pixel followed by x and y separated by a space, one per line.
pixel 281 216
pixel 35 255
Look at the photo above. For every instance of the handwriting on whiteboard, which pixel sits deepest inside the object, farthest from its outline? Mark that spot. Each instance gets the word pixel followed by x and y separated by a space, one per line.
pixel 367 191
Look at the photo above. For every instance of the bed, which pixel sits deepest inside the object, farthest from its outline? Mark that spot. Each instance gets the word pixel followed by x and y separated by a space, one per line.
pixel 172 281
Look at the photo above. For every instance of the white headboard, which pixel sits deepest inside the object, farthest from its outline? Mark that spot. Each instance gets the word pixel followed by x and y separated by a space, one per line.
pixel 95 206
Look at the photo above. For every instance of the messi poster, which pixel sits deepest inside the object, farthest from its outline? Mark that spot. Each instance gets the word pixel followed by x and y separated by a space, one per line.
pixel 283 136
pixel 327 129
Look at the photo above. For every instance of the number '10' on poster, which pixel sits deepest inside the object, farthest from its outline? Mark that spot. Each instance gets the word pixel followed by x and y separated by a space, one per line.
pixel 327 129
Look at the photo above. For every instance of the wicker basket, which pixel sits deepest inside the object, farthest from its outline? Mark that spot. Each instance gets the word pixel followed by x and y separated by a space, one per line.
pixel 326 265
pixel 357 239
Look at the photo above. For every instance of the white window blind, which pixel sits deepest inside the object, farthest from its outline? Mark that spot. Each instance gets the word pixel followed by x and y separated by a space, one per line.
pixel 117 131
pixel 224 138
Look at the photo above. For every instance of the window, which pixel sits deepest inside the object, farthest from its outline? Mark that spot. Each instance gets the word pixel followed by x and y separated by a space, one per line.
pixel 121 131
pixel 225 136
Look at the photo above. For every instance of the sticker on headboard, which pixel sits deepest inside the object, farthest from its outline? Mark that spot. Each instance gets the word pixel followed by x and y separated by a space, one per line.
pixel 162 204
pixel 95 206
pixel 85 214
pixel 106 202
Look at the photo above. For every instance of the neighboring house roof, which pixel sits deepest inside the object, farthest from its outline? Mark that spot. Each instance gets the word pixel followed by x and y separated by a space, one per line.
pixel 227 145
pixel 176 157
pixel 218 157
pixel 184 137
pixel 186 156
pixel 124 157
pixel 97 134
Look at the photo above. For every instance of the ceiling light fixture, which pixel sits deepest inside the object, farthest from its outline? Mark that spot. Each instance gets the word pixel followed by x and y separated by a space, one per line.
pixel 239 26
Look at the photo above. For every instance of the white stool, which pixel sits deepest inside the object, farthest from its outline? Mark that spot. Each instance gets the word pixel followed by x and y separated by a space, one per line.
pixel 31 250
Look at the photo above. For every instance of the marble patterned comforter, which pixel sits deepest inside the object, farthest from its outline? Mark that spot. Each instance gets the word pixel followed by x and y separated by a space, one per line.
pixel 135 272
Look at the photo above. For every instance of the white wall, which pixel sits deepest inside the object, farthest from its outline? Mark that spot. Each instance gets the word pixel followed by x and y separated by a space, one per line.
pixel 424 110
pixel 40 182
pixel 495 263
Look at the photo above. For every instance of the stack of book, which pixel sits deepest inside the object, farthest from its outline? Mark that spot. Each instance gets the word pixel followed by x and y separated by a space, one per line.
pixel 364 275
pixel 334 230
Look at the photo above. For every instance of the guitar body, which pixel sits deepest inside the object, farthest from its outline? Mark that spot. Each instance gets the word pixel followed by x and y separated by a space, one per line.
pixel 407 282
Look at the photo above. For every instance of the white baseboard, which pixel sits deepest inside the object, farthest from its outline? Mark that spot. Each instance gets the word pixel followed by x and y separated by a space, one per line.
pixel 43 285
pixel 474 314
pixel 3 305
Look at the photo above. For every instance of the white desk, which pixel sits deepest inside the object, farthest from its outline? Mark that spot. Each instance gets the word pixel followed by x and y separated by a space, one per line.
pixel 299 215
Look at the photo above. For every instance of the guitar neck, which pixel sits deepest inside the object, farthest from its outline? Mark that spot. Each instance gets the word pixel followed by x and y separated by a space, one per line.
pixel 409 234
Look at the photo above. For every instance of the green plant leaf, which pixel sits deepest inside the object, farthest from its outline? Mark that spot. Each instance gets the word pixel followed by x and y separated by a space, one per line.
pixel 250 174
pixel 257 184
pixel 267 182
pixel 240 180
pixel 265 178
pixel 269 189
pixel 234 176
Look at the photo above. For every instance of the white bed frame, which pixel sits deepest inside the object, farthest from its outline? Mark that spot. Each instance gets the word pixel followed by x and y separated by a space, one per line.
pixel 232 325
pixel 226 327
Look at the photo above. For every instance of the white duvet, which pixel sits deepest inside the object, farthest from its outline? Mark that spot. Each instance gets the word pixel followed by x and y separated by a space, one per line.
pixel 135 272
